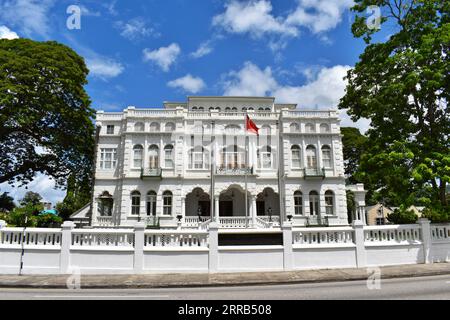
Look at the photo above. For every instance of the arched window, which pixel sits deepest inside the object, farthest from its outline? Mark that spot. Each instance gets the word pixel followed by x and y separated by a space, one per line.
pixel 135 203
pixel 250 109
pixel 265 157
pixel 244 109
pixel 139 127
pixel 324 128
pixel 296 157
pixel 311 157
pixel 138 154
pixel 326 156
pixel 151 203
pixel 211 108
pixel 294 128
pixel 170 127
pixel 218 108
pixel 298 203
pixel 227 109
pixel 105 204
pixel 232 129
pixel 167 203
pixel 310 128
pixel 260 109
pixel 234 109
pixel 268 109
pixel 201 109
pixel 329 202
pixel 314 208
pixel 155 127
pixel 194 108
pixel 153 157
pixel 168 156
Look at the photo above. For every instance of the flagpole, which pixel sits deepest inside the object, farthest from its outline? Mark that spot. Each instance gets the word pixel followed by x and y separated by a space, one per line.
pixel 246 168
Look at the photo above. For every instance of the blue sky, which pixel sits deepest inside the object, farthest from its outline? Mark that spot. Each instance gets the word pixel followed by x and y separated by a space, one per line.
pixel 144 52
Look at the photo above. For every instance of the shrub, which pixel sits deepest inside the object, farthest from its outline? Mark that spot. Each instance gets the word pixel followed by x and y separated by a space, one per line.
pixel 48 221
pixel 437 214
pixel 402 216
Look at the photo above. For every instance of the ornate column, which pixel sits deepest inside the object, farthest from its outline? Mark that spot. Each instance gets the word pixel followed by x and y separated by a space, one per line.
pixel 183 208
pixel 216 209
pixel 253 210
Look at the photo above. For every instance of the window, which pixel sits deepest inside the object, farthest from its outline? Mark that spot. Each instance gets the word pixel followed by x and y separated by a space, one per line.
pixel 324 128
pixel 265 157
pixel 168 156
pixel 294 127
pixel 227 109
pixel 251 109
pixel 311 158
pixel 155 127
pixel 135 203
pixel 153 157
pixel 314 203
pixel 310 128
pixel 138 155
pixel 198 158
pixel 109 129
pixel 108 158
pixel 170 127
pixel 380 221
pixel 268 109
pixel 105 204
pixel 329 202
pixel 260 109
pixel 232 157
pixel 139 127
pixel 326 156
pixel 201 109
pixel 234 109
pixel 244 109
pixel 298 203
pixel 167 203
pixel 151 203
pixel 296 157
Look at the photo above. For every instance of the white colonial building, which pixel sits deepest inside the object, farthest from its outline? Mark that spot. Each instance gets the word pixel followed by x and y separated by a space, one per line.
pixel 163 166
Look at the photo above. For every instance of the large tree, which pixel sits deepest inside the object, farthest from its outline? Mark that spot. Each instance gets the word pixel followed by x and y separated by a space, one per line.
pixel 402 85
pixel 353 146
pixel 45 112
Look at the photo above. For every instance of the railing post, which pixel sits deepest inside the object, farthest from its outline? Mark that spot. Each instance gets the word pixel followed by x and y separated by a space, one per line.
pixel 361 258
pixel 426 238
pixel 139 238
pixel 66 242
pixel 287 246
pixel 3 224
pixel 213 247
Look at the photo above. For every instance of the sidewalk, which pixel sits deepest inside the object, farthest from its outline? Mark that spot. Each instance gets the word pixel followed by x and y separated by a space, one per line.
pixel 220 279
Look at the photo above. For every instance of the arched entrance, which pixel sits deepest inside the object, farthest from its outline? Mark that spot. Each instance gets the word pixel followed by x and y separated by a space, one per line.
pixel 268 203
pixel 198 202
pixel 232 202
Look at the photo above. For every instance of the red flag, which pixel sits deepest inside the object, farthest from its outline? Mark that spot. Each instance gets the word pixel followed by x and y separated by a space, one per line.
pixel 251 126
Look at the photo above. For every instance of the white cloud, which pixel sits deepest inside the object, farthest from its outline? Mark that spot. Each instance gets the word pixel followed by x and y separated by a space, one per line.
pixel 164 57
pixel 188 83
pixel 104 68
pixel 252 17
pixel 29 16
pixel 323 90
pixel 85 11
pixel 318 15
pixel 204 49
pixel 135 28
pixel 249 81
pixel 41 184
pixel 6 33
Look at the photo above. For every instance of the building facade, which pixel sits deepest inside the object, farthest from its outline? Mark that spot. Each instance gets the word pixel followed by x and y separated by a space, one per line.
pixel 192 162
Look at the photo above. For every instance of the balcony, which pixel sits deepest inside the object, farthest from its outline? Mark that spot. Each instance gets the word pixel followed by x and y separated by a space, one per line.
pixel 151 173
pixel 234 171
pixel 314 173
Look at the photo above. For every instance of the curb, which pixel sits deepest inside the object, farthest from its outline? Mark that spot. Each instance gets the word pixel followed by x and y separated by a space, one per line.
pixel 219 280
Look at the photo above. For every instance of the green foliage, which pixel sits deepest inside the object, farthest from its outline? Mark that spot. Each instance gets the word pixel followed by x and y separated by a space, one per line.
pixel 401 85
pixel 77 196
pixel 6 203
pixel 48 221
pixel 32 198
pixel 353 146
pixel 18 216
pixel 351 205
pixel 402 216
pixel 45 114
pixel 437 214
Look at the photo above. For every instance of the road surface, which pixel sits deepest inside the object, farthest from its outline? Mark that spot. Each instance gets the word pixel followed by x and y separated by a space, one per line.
pixel 434 287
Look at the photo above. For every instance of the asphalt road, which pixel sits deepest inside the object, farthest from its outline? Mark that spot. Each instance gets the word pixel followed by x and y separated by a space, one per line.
pixel 435 287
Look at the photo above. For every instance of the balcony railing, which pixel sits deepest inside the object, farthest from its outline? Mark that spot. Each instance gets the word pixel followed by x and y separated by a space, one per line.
pixel 314 173
pixel 234 170
pixel 151 173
